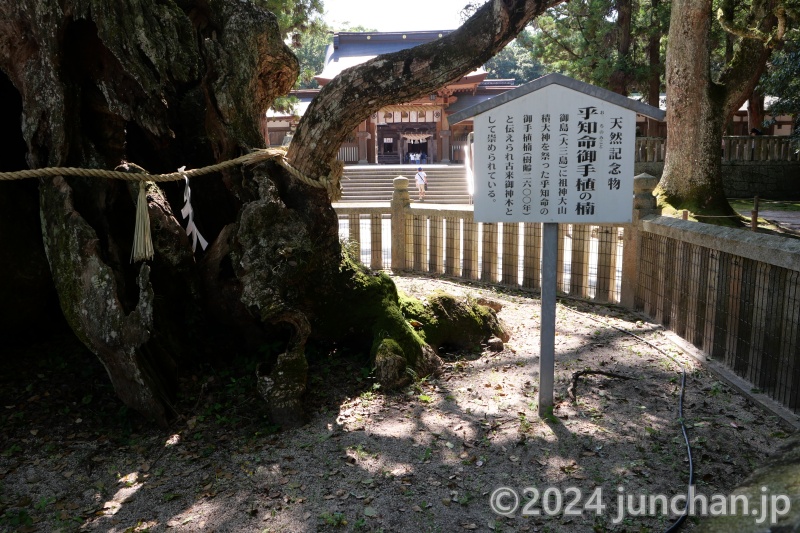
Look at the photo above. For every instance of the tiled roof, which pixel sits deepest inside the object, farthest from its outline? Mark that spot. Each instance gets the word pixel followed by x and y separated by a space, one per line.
pixel 353 48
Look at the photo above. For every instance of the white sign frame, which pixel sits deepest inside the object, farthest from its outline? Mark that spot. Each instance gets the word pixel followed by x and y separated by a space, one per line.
pixel 555 95
pixel 557 155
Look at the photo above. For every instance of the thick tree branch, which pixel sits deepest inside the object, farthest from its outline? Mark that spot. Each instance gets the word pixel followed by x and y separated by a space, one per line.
pixel 402 76
pixel 750 59
pixel 743 73
pixel 775 33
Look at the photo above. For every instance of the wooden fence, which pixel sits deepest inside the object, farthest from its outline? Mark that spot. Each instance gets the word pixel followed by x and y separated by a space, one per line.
pixel 759 148
pixel 653 149
pixel 348 153
pixel 650 150
pixel 447 241
pixel 733 293
pixel 458 149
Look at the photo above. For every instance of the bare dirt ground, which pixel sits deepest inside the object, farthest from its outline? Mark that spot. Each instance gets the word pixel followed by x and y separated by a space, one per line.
pixel 427 458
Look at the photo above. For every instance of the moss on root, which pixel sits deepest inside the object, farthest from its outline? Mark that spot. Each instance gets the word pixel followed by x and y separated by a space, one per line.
pixel 719 213
pixel 390 363
pixel 451 323
pixel 369 314
pixel 366 315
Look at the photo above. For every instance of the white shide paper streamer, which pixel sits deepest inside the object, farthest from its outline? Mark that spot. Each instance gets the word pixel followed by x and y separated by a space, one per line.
pixel 188 213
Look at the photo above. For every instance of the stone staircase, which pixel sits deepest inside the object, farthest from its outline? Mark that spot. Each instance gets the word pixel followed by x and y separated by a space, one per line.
pixel 389 159
pixel 373 183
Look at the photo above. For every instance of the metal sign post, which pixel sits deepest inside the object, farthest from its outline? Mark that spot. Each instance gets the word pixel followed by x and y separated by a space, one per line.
pixel 555 151
pixel 547 330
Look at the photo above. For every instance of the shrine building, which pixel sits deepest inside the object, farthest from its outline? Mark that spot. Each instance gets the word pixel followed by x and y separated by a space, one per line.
pixel 410 132
pixel 419 132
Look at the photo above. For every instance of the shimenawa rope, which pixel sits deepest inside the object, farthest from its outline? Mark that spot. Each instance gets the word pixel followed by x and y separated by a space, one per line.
pixel 142 243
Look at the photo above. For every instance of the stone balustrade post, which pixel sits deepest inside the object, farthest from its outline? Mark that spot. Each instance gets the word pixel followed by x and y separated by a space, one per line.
pixel 363 136
pixel 445 136
pixel 400 203
pixel 644 204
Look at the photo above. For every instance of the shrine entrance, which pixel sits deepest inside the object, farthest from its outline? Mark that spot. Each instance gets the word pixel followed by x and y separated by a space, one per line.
pixel 416 145
pixel 406 135
pixel 417 152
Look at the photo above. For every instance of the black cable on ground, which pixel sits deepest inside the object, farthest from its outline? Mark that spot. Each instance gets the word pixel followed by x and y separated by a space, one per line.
pixel 676 525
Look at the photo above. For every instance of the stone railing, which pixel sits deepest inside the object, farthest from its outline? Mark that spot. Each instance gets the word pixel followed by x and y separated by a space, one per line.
pixel 734 148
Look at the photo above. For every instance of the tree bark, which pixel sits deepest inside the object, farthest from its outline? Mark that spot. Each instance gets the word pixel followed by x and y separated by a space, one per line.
pixel 695 113
pixel 340 106
pixel 755 111
pixel 166 85
pixel 699 107
pixel 654 66
pixel 622 75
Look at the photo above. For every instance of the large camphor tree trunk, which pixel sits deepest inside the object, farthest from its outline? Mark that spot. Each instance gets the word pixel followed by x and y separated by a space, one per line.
pixel 172 83
pixel 699 104
pixel 162 84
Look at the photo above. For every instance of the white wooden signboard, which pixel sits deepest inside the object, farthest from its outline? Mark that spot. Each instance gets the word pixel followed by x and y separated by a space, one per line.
pixel 554 155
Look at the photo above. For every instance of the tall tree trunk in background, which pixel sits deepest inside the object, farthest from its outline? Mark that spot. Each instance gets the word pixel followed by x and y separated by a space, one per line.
pixel 166 84
pixel 695 113
pixel 622 75
pixel 755 111
pixel 698 107
pixel 654 67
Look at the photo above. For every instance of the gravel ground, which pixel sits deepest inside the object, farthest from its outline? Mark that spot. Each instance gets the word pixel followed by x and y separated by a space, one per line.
pixel 427 458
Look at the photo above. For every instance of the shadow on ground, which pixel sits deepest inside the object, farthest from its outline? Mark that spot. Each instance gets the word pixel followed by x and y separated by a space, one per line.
pixel 427 458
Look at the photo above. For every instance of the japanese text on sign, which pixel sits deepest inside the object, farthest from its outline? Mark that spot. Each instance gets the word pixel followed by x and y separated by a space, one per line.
pixel 556 155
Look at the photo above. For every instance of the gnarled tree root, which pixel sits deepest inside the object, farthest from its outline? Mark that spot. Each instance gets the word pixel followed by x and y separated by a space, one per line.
pixel 285 384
